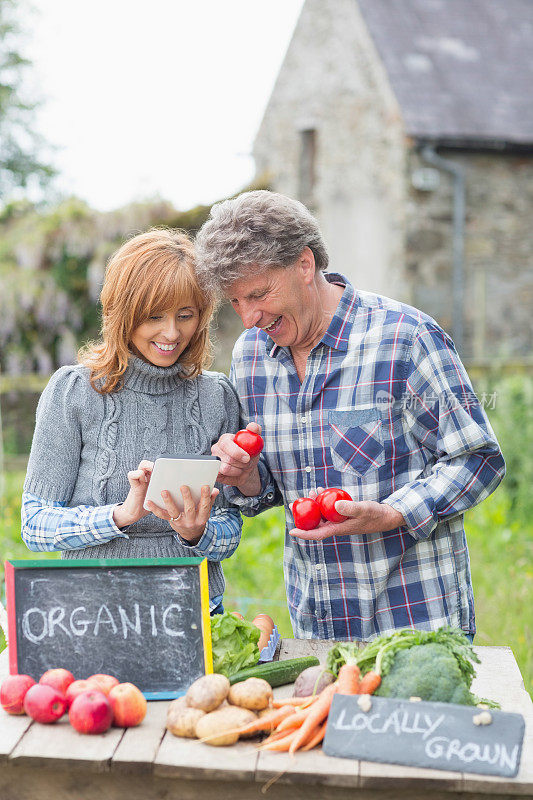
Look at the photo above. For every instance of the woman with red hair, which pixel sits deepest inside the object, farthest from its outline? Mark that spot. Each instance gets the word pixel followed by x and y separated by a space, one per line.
pixel 137 394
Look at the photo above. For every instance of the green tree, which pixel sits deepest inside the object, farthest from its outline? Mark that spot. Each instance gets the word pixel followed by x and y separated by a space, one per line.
pixel 20 145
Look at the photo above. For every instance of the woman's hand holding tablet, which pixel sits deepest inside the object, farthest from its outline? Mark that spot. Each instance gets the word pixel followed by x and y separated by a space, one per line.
pixel 181 491
pixel 189 523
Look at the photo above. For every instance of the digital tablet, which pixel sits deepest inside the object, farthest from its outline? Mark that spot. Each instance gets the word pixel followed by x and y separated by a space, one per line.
pixel 171 473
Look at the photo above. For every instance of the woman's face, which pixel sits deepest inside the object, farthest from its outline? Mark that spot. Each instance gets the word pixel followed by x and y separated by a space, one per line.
pixel 162 338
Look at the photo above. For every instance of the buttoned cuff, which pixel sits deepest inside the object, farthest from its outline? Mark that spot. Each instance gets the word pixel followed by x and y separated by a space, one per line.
pixel 417 509
pixel 253 505
pixel 206 546
pixel 117 531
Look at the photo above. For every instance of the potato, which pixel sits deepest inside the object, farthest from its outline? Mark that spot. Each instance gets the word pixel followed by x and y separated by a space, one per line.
pixel 207 693
pixel 246 717
pixel 220 727
pixel 312 681
pixel 182 719
pixel 253 693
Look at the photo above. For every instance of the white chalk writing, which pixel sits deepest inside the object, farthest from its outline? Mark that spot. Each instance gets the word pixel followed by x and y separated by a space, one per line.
pixel 57 622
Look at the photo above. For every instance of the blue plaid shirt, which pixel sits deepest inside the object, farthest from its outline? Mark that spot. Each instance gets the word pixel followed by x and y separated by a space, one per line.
pixel 385 411
pixel 51 525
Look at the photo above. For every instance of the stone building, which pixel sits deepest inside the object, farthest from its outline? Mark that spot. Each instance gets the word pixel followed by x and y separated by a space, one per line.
pixel 407 127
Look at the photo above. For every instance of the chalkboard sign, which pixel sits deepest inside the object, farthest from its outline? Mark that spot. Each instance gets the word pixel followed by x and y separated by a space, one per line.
pixel 419 734
pixel 145 620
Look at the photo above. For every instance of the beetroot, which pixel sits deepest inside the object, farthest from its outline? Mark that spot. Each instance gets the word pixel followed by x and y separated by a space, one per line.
pixel 311 681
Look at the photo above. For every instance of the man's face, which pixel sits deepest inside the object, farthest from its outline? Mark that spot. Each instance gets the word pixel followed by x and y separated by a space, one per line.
pixel 276 300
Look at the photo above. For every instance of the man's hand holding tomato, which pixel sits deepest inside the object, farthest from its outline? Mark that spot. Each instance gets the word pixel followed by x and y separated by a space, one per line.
pixel 363 517
pixel 238 468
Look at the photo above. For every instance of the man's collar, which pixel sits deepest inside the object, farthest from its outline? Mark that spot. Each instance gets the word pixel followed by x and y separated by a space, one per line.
pixel 339 328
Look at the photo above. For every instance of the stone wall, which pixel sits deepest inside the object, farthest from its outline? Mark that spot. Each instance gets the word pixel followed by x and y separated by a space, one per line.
pixel 498 265
pixel 332 81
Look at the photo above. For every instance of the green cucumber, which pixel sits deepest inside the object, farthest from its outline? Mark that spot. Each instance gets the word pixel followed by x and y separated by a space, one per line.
pixel 277 673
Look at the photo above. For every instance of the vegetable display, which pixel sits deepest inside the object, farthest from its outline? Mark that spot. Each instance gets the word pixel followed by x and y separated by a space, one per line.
pixel 400 665
pixel 234 643
pixel 436 666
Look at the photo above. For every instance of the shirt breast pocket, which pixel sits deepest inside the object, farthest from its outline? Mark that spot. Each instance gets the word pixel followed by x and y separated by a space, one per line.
pixel 356 440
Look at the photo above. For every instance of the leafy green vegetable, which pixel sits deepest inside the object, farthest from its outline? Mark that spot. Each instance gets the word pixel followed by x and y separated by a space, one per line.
pixel 392 652
pixel 429 671
pixel 234 643
pixel 380 653
pixel 342 653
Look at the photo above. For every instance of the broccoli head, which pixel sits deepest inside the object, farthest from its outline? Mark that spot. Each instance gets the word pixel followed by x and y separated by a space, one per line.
pixel 428 671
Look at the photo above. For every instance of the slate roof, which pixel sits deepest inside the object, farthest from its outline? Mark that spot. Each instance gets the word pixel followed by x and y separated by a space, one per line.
pixel 461 70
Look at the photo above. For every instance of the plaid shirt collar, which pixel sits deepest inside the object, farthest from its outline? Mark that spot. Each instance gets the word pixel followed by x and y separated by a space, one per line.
pixel 338 332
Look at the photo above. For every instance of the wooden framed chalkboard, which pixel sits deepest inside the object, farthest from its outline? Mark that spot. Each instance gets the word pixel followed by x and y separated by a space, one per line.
pixel 143 620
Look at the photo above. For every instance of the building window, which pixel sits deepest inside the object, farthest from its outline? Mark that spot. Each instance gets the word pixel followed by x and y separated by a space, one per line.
pixel 307 167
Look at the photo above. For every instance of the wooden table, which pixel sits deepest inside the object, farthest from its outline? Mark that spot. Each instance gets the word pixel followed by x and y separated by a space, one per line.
pixel 148 763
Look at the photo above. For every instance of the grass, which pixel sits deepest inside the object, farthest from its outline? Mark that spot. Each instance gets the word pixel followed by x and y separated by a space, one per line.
pixel 501 552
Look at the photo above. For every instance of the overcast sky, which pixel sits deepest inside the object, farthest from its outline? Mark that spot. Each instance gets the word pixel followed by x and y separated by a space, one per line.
pixel 159 97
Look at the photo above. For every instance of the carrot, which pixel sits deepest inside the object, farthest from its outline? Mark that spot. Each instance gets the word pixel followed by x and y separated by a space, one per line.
pixel 279 735
pixel 281 745
pixel 293 720
pixel 369 683
pixel 295 701
pixel 348 679
pixel 268 722
pixel 317 738
pixel 317 713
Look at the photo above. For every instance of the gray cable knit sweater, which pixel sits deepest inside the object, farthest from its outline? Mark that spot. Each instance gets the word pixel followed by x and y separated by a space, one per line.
pixel 85 443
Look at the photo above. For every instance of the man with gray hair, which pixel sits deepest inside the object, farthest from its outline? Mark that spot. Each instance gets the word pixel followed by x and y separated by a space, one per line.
pixel 355 391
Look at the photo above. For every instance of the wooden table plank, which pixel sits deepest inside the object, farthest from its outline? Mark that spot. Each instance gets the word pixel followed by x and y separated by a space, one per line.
pixel 295 648
pixel 387 776
pixel 12 729
pixel 191 759
pixel 59 745
pixel 497 662
pixel 138 747
pixel 313 766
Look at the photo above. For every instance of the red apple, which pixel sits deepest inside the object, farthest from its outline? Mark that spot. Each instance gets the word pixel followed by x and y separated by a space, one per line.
pixel 91 712
pixel 78 687
pixel 129 705
pixel 13 692
pixel 44 703
pixel 59 679
pixel 105 682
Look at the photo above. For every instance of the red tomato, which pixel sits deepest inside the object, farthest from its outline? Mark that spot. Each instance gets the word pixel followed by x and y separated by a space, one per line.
pixel 326 501
pixel 306 513
pixel 250 442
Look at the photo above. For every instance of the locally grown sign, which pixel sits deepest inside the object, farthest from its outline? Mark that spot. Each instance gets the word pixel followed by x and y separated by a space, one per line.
pixel 145 621
pixel 436 735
